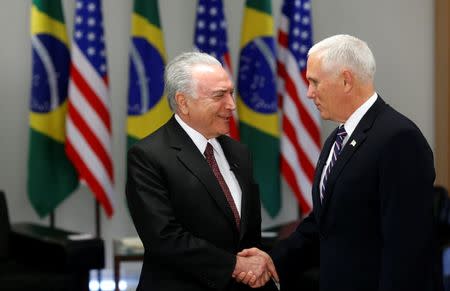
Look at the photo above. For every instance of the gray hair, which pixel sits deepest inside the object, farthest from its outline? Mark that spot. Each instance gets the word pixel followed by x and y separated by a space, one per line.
pixel 178 74
pixel 346 51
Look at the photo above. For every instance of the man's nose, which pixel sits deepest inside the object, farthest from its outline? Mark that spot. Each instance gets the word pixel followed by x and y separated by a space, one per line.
pixel 310 92
pixel 231 102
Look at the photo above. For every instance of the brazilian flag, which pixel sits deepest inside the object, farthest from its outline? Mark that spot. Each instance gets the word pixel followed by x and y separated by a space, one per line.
pixel 147 107
pixel 51 177
pixel 257 100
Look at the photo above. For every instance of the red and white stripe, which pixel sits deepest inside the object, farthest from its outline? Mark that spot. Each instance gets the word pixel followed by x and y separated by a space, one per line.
pixel 88 129
pixel 300 137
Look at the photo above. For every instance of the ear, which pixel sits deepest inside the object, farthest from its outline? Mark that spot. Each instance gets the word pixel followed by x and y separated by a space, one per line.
pixel 348 80
pixel 181 100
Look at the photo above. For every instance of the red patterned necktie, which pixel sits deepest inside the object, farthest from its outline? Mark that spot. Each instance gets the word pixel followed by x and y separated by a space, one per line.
pixel 337 147
pixel 209 154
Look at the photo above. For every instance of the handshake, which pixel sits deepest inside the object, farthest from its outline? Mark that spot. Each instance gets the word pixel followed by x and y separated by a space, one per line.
pixel 254 268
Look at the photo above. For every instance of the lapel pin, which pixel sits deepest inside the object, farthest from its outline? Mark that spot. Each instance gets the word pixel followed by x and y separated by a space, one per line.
pixel 353 143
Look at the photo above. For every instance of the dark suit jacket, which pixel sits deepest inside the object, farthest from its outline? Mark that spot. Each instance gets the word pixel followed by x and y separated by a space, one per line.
pixel 373 231
pixel 182 215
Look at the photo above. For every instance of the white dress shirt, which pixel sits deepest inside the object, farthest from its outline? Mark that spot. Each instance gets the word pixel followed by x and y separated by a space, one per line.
pixel 200 141
pixel 350 126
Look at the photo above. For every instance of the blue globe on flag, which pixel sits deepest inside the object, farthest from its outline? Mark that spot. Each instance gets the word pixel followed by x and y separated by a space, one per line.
pixel 50 74
pixel 146 88
pixel 256 82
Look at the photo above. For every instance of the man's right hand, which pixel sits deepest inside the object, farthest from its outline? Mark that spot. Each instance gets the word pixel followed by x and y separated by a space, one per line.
pixel 254 268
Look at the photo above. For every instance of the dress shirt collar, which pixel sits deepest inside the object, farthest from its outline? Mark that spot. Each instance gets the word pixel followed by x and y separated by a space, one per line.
pixel 199 140
pixel 356 116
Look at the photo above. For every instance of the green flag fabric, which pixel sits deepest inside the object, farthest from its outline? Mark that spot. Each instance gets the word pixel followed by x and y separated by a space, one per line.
pixel 51 177
pixel 148 109
pixel 257 99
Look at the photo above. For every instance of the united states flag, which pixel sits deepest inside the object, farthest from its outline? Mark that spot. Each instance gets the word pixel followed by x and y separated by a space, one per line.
pixel 300 139
pixel 211 37
pixel 88 124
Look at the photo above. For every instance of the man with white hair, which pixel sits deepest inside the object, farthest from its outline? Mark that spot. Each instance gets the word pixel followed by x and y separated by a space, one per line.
pixel 190 189
pixel 371 228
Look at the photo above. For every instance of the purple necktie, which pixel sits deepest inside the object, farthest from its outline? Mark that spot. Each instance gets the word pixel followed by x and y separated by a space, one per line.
pixel 337 147
pixel 209 154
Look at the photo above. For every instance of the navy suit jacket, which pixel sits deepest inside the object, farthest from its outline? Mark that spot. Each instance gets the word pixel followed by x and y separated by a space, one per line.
pixel 182 215
pixel 374 229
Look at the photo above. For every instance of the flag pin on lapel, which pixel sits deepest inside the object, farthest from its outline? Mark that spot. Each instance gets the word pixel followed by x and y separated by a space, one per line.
pixel 353 143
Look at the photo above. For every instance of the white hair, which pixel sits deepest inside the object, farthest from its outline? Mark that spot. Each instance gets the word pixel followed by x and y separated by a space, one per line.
pixel 346 52
pixel 178 74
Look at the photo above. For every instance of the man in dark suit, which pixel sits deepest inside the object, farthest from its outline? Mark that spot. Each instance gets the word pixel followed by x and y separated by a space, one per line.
pixel 190 188
pixel 371 228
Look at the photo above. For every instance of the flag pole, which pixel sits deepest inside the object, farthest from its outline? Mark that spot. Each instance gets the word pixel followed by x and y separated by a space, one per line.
pixel 52 219
pixel 98 235
pixel 97 219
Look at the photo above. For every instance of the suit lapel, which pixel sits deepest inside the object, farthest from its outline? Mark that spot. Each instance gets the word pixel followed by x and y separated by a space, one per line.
pixel 357 138
pixel 196 163
pixel 317 205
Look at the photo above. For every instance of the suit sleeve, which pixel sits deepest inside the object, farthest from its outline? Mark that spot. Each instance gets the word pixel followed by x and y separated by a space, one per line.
pixel 406 181
pixel 168 242
pixel 297 253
